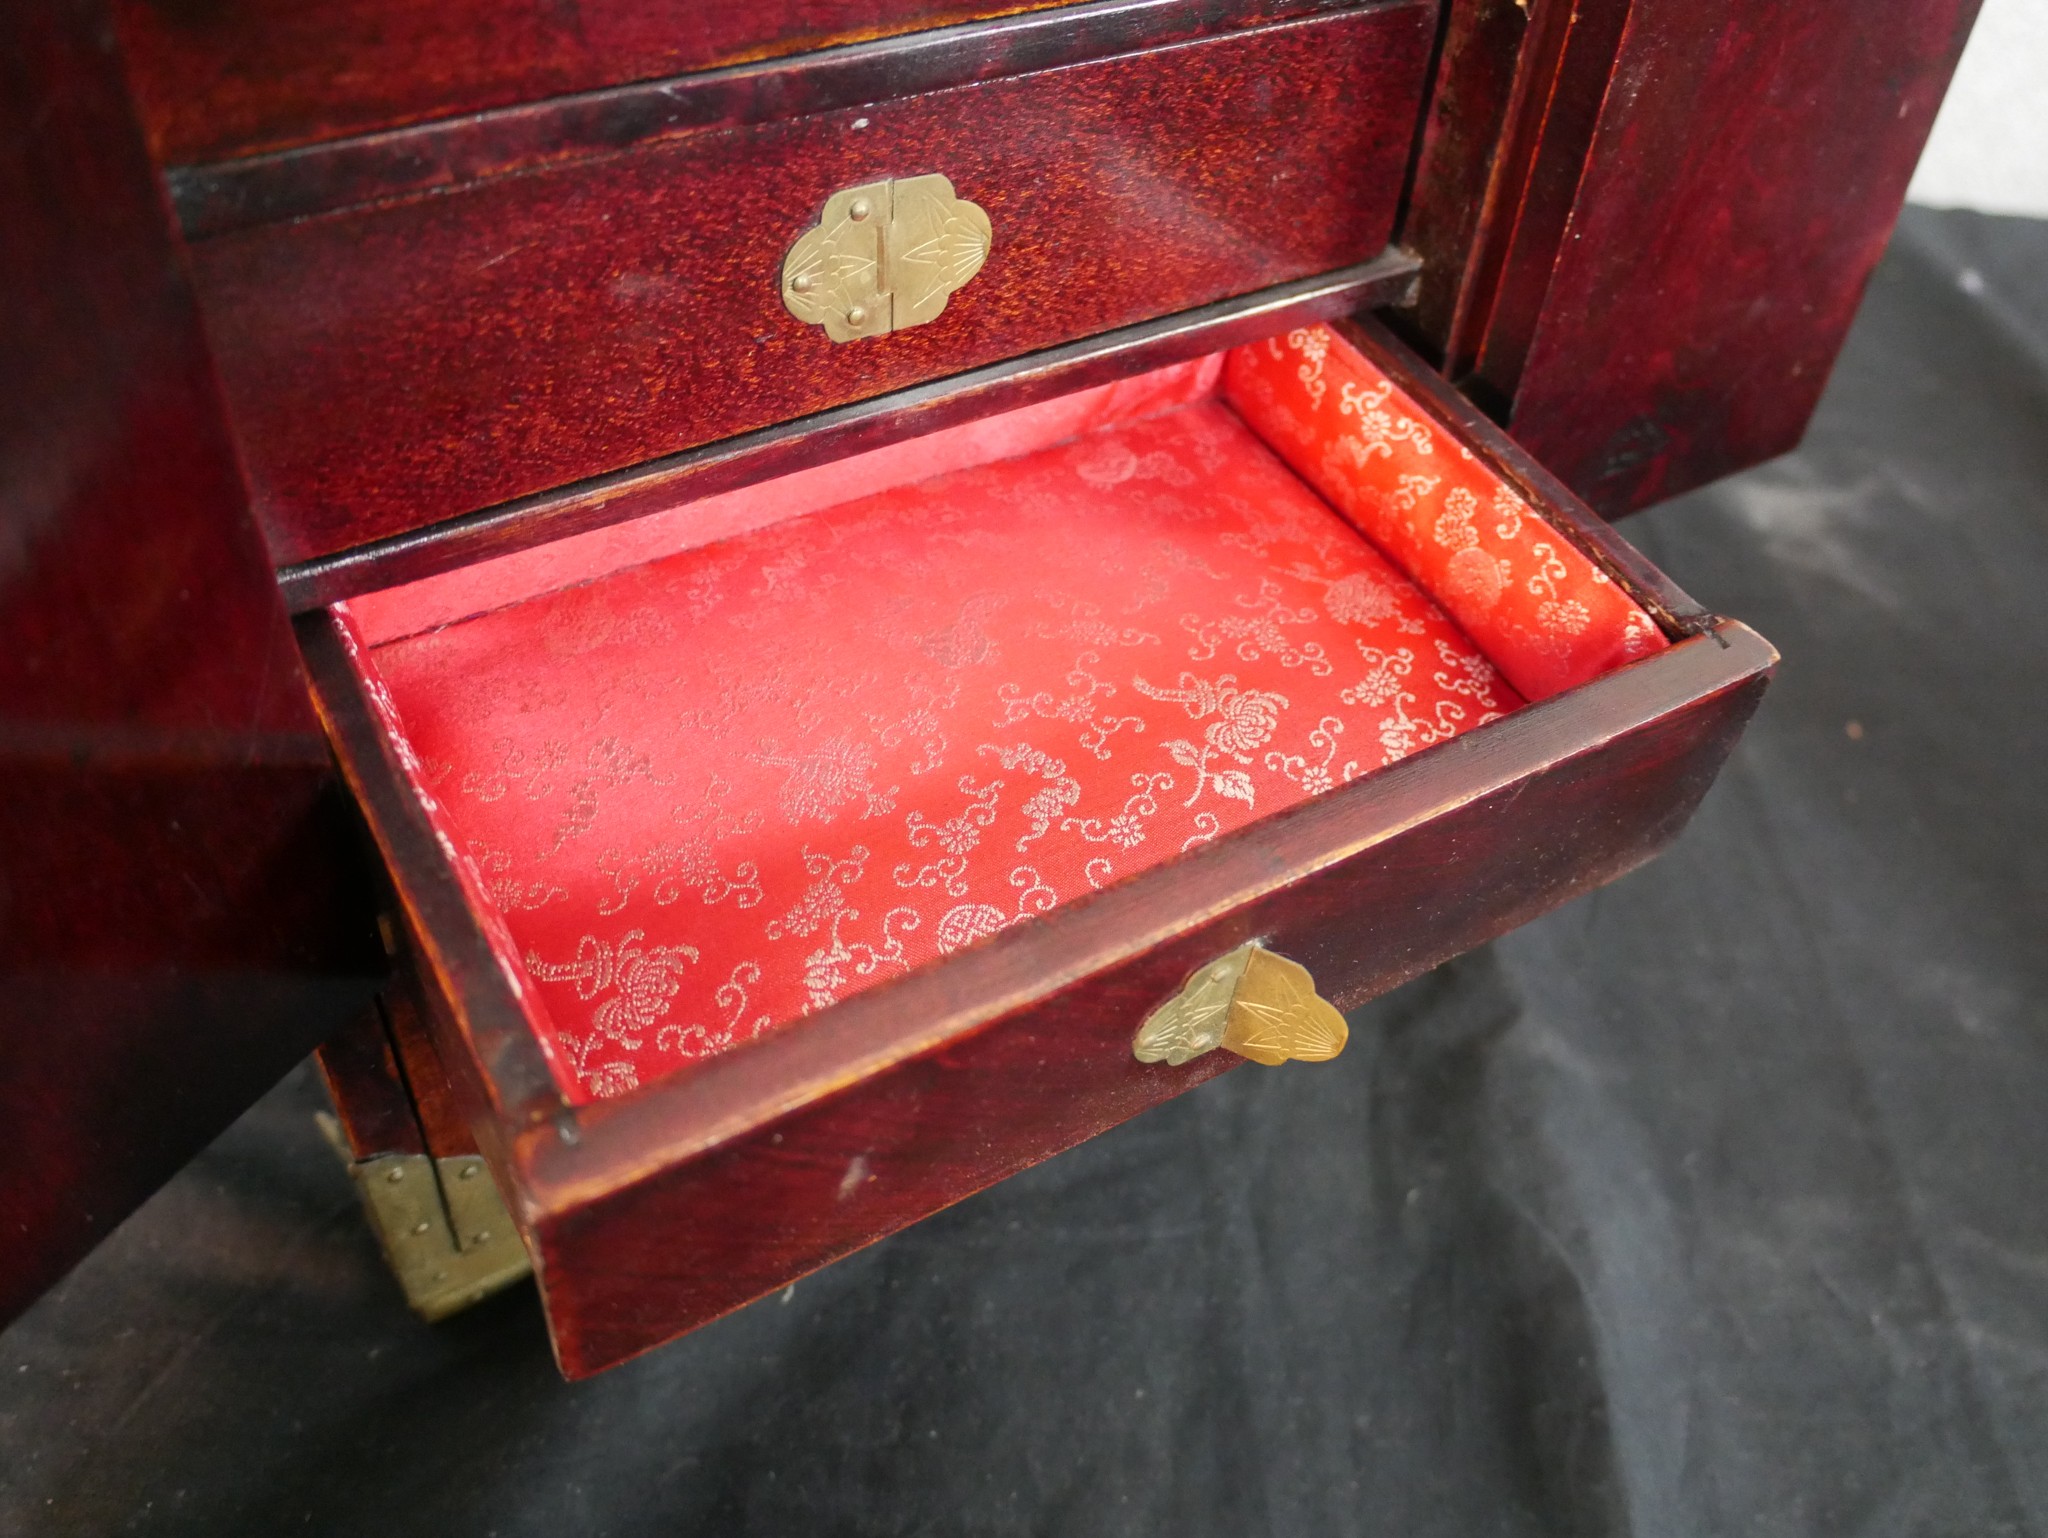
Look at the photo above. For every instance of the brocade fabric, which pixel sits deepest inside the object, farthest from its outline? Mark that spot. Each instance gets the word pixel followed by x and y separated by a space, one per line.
pixel 1536 605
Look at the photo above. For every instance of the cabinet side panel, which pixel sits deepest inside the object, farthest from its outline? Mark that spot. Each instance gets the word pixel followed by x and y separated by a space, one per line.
pixel 181 917
pixel 1450 202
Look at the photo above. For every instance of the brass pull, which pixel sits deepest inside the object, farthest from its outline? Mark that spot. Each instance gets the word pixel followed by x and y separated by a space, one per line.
pixel 1253 1002
pixel 884 257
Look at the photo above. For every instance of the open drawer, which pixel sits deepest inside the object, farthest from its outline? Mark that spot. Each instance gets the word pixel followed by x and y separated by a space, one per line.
pixel 784 867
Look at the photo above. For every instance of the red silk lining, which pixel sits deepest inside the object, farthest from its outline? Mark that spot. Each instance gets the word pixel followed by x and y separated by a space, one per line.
pixel 1545 615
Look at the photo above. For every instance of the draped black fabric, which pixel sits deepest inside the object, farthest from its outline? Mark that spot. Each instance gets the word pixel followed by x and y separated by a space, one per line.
pixel 1716 1203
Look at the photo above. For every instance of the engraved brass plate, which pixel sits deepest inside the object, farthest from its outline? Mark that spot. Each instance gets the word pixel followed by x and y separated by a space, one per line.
pixel 884 257
pixel 1251 1002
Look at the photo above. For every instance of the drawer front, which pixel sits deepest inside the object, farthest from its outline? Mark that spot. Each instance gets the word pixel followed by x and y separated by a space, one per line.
pixel 238 76
pixel 783 1200
pixel 395 365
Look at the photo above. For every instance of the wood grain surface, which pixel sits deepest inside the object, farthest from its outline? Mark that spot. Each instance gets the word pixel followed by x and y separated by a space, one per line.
pixel 395 366
pixel 828 435
pixel 230 77
pixel 217 196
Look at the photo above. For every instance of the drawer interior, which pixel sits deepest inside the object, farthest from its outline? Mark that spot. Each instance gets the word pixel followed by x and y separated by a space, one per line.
pixel 720 768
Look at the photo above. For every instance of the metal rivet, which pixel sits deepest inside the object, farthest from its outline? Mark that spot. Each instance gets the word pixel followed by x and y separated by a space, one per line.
pixel 440 1276
pixel 860 210
pixel 395 1175
pixel 855 315
pixel 468 1172
pixel 801 283
pixel 422 1227
pixel 483 1237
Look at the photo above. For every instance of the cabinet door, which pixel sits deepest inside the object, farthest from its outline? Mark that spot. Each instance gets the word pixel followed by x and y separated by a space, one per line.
pixel 1646 224
pixel 180 914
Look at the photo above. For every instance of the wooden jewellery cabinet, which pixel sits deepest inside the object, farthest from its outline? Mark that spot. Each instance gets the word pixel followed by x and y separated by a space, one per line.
pixel 867 596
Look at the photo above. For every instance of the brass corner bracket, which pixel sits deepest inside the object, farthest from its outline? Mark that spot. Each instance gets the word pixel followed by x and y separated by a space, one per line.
pixel 884 256
pixel 1251 1002
pixel 443 1228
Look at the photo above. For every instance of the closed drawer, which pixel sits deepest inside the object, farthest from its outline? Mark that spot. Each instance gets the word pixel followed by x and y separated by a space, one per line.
pixel 237 77
pixel 911 819
pixel 430 338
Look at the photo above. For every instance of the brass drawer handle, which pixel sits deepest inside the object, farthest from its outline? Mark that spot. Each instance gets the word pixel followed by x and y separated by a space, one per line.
pixel 1252 1002
pixel 884 257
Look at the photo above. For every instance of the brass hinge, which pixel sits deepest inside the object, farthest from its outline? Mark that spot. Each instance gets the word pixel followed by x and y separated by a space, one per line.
pixel 443 1227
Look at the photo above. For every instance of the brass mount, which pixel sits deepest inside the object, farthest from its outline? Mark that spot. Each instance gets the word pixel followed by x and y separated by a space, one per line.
pixel 1252 1002
pixel 884 256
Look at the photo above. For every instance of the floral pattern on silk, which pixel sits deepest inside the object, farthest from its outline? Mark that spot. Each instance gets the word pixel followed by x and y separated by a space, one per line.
pixel 1535 604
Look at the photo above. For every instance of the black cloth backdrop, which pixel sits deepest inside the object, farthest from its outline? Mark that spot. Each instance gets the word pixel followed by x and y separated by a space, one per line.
pixel 1715 1203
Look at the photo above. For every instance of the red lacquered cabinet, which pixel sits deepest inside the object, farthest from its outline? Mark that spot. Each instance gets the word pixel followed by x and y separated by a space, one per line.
pixel 756 618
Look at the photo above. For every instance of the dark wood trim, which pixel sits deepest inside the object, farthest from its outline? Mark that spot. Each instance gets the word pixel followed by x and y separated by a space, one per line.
pixel 371 1102
pixel 426 158
pixel 1508 128
pixel 509 1081
pixel 1387 279
pixel 1567 60
pixel 1471 98
pixel 442 1114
